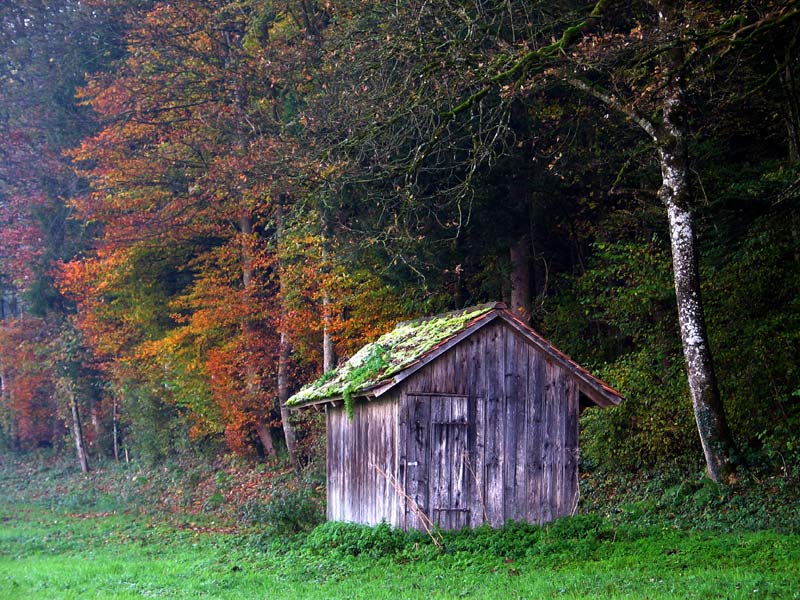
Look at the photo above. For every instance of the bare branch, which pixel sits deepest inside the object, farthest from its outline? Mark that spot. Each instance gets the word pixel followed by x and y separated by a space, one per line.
pixel 613 102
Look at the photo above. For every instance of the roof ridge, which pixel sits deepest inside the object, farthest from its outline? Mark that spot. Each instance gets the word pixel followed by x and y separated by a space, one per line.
pixel 452 313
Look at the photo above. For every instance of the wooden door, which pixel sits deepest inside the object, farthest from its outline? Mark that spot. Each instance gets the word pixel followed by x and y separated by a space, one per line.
pixel 449 463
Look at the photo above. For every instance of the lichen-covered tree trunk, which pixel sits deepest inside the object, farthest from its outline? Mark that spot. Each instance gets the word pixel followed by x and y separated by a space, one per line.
pixel 712 427
pixel 675 193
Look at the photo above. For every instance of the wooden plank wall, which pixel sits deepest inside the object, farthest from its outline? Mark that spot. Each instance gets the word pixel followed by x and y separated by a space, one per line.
pixel 522 435
pixel 359 452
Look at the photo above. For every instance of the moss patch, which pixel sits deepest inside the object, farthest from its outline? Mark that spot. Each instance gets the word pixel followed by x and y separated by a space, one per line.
pixel 390 354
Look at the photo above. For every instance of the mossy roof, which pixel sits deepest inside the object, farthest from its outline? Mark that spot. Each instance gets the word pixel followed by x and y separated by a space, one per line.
pixel 393 352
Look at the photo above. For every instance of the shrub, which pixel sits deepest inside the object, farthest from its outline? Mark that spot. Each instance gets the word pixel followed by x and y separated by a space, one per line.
pixel 683 497
pixel 214 501
pixel 290 510
pixel 579 535
pixel 511 541
pixel 353 539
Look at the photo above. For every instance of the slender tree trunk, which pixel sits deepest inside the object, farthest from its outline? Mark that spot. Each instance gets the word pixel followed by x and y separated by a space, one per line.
pixel 284 351
pixel 675 193
pixel 246 228
pixel 328 350
pixel 791 114
pixel 709 413
pixel 283 396
pixel 539 272
pixel 115 428
pixel 6 400
pixel 77 431
pixel 98 428
pixel 521 278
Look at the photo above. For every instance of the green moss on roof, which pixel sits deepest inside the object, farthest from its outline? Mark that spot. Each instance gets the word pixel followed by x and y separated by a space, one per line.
pixel 390 354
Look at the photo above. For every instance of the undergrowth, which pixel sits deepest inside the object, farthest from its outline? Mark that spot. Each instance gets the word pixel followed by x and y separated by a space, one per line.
pixel 229 492
pixel 578 537
pixel 278 502
pixel 684 498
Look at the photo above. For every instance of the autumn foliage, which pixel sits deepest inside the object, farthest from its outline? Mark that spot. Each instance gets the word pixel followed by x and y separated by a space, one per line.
pixel 205 258
pixel 29 404
pixel 202 202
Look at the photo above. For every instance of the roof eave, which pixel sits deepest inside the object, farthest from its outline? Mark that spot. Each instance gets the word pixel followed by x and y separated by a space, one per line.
pixel 333 400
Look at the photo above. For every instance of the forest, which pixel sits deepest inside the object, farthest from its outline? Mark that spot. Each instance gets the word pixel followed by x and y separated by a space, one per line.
pixel 206 204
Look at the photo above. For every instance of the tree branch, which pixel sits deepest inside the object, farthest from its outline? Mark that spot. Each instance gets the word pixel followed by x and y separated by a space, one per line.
pixel 613 103
pixel 523 65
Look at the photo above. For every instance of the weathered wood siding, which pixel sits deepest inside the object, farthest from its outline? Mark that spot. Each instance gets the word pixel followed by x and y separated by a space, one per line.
pixel 505 419
pixel 485 433
pixel 362 463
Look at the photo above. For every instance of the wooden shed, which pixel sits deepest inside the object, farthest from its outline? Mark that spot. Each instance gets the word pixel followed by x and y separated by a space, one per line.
pixel 461 419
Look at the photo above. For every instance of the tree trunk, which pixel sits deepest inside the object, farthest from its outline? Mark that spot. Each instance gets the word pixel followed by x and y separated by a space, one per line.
pixel 6 401
pixel 283 396
pixel 709 413
pixel 328 350
pixel 265 437
pixel 791 116
pixel 283 352
pixel 77 431
pixel 675 193
pixel 521 278
pixel 98 429
pixel 115 427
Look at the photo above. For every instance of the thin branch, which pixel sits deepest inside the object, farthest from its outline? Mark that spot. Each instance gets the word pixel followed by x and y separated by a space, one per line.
pixel 613 103
pixel 423 518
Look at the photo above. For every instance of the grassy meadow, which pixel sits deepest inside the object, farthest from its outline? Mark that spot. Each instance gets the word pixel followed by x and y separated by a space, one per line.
pixel 119 546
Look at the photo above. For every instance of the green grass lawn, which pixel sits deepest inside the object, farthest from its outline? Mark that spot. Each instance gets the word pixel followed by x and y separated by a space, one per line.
pixel 46 554
pixel 127 531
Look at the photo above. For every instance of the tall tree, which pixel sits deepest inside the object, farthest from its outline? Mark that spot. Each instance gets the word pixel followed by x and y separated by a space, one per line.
pixel 678 41
pixel 444 106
